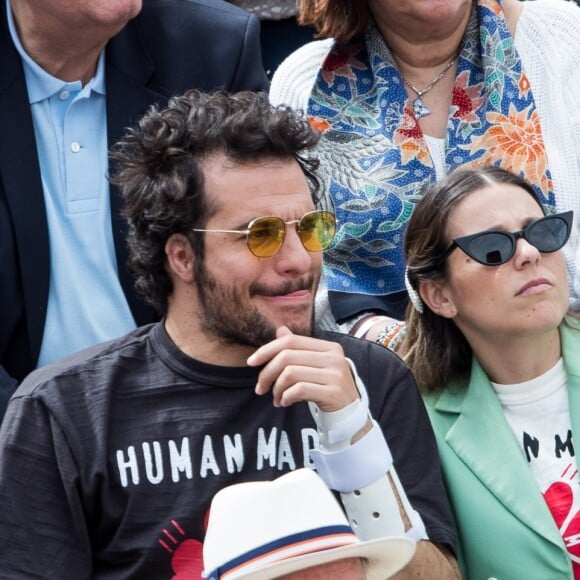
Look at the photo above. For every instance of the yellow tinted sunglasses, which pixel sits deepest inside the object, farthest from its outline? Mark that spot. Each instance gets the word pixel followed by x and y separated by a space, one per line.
pixel 265 235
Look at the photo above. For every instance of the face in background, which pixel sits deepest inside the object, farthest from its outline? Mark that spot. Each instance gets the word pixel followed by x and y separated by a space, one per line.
pixel 527 295
pixel 347 569
pixel 78 17
pixel 242 299
pixel 423 16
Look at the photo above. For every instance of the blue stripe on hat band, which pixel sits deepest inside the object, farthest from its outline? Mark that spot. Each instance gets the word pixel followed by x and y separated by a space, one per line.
pixel 285 542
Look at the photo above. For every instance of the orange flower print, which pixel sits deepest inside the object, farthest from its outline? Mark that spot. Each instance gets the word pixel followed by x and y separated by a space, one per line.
pixel 516 140
pixel 318 123
pixel 408 137
pixel 466 99
pixel 341 64
pixel 492 5
pixel 523 85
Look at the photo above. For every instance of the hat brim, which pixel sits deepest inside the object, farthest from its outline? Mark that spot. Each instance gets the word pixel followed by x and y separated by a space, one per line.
pixel 385 557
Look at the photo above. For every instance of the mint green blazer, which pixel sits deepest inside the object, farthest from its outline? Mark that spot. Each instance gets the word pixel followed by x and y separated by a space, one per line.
pixel 506 531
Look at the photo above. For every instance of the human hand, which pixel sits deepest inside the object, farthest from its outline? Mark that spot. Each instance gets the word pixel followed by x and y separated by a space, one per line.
pixel 302 368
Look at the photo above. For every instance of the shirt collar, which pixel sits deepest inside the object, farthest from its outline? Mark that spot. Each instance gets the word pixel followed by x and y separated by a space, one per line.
pixel 42 85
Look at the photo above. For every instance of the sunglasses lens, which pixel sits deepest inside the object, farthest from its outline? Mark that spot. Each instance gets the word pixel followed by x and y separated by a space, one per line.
pixel 548 234
pixel 491 248
pixel 266 236
pixel 317 230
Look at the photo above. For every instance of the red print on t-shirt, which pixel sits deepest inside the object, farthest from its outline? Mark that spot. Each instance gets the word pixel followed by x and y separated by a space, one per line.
pixel 186 553
pixel 560 498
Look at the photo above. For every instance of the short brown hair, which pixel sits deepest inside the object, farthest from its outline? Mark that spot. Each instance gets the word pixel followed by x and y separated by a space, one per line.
pixel 338 19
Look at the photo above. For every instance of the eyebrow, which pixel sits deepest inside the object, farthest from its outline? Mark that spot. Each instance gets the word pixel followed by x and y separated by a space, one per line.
pixel 239 227
pixel 501 228
pixel 527 221
pixel 243 226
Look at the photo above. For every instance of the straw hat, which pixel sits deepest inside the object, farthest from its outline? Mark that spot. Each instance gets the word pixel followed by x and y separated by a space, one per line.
pixel 262 530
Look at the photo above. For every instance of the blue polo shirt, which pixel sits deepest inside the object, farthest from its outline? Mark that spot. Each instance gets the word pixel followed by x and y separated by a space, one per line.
pixel 86 303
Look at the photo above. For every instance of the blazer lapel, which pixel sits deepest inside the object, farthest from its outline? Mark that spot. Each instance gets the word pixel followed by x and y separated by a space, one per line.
pixel 570 337
pixel 483 440
pixel 23 187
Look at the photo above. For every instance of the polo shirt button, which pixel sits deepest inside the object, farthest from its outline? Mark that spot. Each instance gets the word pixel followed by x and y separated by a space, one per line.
pixel 75 146
pixel 64 95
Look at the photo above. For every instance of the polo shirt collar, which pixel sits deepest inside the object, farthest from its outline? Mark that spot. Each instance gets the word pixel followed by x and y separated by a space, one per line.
pixel 42 85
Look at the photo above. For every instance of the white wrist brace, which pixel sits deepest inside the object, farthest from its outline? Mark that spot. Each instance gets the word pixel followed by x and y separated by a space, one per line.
pixel 337 428
pixel 355 466
pixel 359 471
pixel 373 511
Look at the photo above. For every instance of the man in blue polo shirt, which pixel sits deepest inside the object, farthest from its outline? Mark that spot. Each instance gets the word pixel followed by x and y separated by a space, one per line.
pixel 72 77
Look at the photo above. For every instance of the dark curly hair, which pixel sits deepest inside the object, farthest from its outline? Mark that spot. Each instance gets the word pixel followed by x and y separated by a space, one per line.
pixel 157 166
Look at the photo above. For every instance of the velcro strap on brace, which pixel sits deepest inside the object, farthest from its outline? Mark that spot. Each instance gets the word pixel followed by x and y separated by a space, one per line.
pixel 357 465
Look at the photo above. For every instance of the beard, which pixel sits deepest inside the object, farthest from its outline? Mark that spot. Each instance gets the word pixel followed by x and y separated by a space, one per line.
pixel 229 316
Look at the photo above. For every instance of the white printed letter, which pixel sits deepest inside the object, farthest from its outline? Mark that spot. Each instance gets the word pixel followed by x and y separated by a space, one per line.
pixel 129 463
pixel 285 453
pixel 208 462
pixel 266 448
pixel 234 453
pixel 310 441
pixel 153 469
pixel 180 460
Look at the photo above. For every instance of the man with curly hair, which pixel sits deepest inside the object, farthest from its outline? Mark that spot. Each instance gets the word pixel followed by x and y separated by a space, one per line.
pixel 73 76
pixel 130 440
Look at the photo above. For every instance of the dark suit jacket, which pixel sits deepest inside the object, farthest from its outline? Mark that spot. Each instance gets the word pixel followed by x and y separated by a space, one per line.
pixel 172 45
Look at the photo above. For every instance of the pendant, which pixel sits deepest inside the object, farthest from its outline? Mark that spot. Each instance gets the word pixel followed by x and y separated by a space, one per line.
pixel 420 109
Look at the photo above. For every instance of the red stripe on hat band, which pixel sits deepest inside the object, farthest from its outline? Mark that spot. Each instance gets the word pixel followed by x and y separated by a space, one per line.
pixel 311 541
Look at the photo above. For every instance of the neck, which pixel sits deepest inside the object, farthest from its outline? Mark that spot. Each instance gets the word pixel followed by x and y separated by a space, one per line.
pixel 65 54
pixel 421 50
pixel 190 338
pixel 510 360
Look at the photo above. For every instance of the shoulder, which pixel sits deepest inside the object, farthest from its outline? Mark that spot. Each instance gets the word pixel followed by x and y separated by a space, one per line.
pixel 207 44
pixel 548 24
pixel 570 336
pixel 362 349
pixel 199 28
pixel 198 11
pixel 380 369
pixel 293 80
pixel 90 370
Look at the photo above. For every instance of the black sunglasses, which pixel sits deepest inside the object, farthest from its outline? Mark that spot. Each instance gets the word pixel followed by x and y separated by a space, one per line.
pixel 496 247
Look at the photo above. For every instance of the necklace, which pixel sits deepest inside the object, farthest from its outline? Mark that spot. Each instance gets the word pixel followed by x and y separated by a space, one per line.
pixel 419 107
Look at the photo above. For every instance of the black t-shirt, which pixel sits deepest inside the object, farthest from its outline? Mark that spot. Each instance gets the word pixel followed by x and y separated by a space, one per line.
pixel 109 458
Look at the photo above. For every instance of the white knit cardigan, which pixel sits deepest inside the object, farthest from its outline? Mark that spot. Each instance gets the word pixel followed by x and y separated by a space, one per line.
pixel 548 41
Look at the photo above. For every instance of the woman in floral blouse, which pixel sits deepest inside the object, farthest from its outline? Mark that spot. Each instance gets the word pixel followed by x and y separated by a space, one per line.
pixel 405 92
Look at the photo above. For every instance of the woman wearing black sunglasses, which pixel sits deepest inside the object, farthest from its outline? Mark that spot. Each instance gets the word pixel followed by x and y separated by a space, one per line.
pixel 498 362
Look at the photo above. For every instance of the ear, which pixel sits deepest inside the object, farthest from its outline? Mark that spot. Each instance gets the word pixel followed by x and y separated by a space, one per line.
pixel 438 298
pixel 180 257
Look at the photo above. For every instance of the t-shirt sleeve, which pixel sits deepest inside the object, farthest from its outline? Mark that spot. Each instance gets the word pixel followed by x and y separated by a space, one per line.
pixel 43 533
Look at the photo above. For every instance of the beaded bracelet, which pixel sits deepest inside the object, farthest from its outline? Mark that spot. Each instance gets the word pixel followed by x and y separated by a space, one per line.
pixel 396 341
pixel 367 325
pixel 389 332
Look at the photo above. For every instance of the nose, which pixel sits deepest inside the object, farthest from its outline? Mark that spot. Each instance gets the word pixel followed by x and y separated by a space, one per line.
pixel 525 253
pixel 293 257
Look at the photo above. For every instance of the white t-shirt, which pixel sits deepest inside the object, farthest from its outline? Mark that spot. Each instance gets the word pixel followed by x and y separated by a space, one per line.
pixel 538 413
